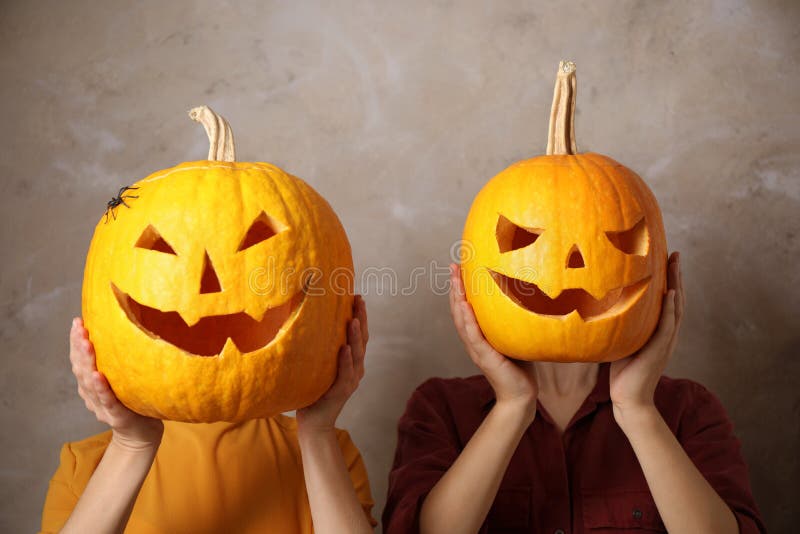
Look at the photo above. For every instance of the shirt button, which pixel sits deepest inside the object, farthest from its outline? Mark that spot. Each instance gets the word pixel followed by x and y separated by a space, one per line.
pixel 637 514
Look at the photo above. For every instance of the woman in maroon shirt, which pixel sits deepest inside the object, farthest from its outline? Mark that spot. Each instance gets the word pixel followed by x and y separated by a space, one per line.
pixel 568 448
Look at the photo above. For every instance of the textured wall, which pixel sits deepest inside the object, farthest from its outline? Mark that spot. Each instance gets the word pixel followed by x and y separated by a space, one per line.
pixel 398 112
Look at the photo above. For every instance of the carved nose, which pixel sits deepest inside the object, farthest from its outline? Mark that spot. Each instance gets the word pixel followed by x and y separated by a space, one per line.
pixel 209 283
pixel 574 258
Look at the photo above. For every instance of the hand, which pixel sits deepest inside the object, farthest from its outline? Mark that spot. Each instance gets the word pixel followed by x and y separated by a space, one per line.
pixel 513 382
pixel 131 431
pixel 633 380
pixel 321 416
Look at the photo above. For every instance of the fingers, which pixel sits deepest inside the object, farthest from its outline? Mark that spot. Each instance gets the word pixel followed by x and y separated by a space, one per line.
pixel 464 318
pixel 86 400
pixel 102 390
pixel 93 388
pixel 358 335
pixel 473 336
pixel 672 270
pixel 471 329
pixel 680 303
pixel 81 356
pixel 666 324
pixel 345 374
pixel 360 313
pixel 77 337
pixel 451 295
pixel 108 400
pixel 76 332
pixel 675 282
pixel 357 347
pixel 457 282
pixel 456 297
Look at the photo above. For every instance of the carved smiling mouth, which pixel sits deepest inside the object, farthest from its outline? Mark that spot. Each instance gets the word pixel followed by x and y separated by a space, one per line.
pixel 208 336
pixel 529 296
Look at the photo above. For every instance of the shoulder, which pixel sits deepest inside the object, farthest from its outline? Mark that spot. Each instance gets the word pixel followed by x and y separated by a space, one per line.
pixel 686 403
pixel 79 459
pixel 447 389
pixel 682 390
pixel 89 449
pixel 448 401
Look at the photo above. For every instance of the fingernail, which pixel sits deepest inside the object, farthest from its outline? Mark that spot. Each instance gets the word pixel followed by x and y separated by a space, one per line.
pixel 74 321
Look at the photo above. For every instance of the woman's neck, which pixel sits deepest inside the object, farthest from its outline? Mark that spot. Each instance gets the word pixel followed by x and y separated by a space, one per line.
pixel 565 379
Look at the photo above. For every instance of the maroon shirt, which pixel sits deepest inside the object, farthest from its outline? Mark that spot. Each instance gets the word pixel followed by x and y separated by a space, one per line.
pixel 587 480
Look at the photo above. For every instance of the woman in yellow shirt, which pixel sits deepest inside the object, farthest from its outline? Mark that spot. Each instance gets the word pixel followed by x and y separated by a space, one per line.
pixel 280 474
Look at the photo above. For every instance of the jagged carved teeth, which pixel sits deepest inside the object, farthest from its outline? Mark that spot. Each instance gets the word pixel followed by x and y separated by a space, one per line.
pixel 207 335
pixel 529 296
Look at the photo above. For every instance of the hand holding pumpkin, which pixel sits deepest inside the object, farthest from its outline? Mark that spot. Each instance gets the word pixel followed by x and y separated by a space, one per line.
pixel 131 431
pixel 633 380
pixel 321 415
pixel 510 380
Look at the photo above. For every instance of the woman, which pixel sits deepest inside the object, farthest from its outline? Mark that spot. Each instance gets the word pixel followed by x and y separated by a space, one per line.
pixel 266 475
pixel 557 448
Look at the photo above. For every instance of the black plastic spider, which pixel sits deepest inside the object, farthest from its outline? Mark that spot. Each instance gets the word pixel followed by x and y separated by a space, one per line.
pixel 112 204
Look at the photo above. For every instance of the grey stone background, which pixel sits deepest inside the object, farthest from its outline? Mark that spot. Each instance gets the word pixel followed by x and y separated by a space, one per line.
pixel 398 113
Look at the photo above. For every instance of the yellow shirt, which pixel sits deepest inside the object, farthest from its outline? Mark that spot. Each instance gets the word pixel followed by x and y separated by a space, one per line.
pixel 210 478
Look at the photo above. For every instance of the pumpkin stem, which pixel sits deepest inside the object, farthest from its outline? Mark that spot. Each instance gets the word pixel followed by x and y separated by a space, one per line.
pixel 561 137
pixel 220 135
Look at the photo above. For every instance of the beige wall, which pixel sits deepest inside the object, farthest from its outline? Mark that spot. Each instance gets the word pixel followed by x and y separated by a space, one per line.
pixel 398 112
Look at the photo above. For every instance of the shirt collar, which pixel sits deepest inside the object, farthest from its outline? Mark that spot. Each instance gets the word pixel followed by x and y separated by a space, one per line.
pixel 599 394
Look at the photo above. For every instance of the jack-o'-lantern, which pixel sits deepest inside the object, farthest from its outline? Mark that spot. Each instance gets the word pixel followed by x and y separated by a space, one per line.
pixel 217 290
pixel 564 255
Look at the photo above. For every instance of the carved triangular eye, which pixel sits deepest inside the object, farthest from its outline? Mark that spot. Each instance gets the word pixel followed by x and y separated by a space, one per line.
pixel 635 240
pixel 152 240
pixel 261 229
pixel 512 237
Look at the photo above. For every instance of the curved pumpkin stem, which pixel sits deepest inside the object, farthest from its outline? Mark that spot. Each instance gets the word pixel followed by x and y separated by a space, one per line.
pixel 561 137
pixel 220 135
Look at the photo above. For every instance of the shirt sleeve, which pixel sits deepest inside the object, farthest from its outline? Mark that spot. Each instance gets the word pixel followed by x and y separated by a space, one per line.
pixel 706 434
pixel 358 474
pixel 61 498
pixel 427 445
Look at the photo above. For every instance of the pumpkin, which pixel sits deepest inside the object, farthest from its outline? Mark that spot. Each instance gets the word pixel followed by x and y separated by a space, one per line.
pixel 564 255
pixel 218 290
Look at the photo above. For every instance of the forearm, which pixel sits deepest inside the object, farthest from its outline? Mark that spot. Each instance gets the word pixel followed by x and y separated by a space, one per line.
pixel 461 499
pixel 685 500
pixel 333 500
pixel 106 503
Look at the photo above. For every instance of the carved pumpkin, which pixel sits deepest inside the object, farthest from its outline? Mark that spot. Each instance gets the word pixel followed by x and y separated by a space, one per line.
pixel 218 290
pixel 564 255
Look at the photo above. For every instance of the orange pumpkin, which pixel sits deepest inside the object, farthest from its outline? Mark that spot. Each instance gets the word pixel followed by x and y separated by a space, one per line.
pixel 564 255
pixel 218 290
